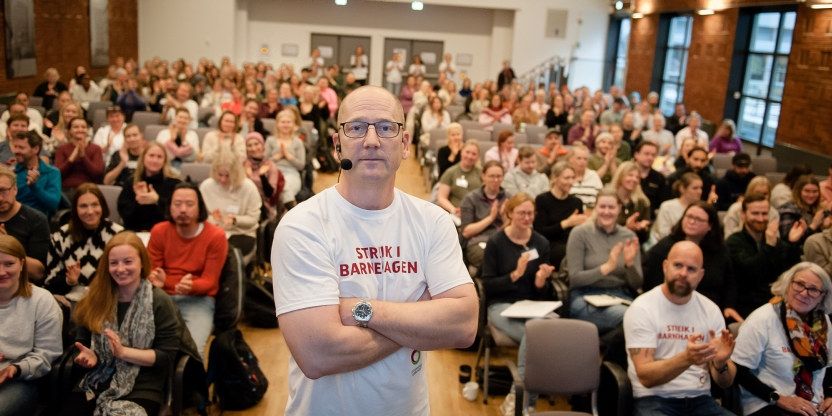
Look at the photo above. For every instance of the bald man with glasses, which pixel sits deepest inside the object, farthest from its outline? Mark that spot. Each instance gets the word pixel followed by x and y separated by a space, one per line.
pixel 368 277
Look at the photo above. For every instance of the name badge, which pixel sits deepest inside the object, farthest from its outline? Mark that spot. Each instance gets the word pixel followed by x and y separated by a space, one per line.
pixel 131 164
pixel 232 209
pixel 462 182
pixel 533 254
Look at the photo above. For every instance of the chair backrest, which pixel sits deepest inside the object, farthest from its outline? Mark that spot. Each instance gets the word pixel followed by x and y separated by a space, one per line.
pixel 775 177
pixel 575 339
pixel 39 109
pixel 308 125
pixel 478 135
pixel 484 146
pixel 201 132
pixel 268 124
pixel 763 164
pixel 111 193
pixel 520 139
pixel 197 172
pixel 98 105
pixel 722 161
pixel 437 135
pixel 146 118
pixel 98 117
pixel 536 134
pixel 151 131
pixel 499 128
pixel 455 111
pixel 468 125
pixel 203 114
pixel 33 101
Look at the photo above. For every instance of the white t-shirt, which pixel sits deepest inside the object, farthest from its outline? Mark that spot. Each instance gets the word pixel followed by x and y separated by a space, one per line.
pixel 190 137
pixel 102 136
pixel 326 248
pixel 684 134
pixel 653 321
pixel 587 188
pixel 762 347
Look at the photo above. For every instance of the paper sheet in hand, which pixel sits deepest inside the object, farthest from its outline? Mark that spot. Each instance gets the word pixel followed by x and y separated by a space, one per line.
pixel 530 309
pixel 602 301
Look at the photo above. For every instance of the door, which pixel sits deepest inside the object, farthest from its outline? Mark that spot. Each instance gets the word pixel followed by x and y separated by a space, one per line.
pixel 328 45
pixel 346 48
pixel 431 49
pixel 404 46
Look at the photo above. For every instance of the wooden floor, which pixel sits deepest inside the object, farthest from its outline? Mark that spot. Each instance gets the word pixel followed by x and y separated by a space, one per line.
pixel 443 366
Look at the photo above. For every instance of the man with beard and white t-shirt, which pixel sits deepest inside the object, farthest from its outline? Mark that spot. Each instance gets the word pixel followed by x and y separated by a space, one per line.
pixel 368 277
pixel 677 341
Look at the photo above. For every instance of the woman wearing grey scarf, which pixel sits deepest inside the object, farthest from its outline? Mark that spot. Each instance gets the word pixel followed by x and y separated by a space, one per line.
pixel 128 336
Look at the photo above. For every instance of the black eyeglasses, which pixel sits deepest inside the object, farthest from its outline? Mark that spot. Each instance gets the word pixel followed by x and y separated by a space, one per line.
pixel 384 129
pixel 811 290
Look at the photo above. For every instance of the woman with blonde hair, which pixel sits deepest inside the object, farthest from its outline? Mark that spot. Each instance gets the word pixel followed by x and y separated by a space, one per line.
pixel 143 201
pixel 558 212
pixel 128 335
pixel 689 188
pixel 30 332
pixel 635 206
pixel 288 152
pixel 60 132
pixel 451 153
pixel 233 200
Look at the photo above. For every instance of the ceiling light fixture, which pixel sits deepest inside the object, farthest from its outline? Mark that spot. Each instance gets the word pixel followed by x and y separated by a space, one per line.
pixel 417 5
pixel 705 12
pixel 341 2
pixel 619 5
pixel 821 6
pixel 637 15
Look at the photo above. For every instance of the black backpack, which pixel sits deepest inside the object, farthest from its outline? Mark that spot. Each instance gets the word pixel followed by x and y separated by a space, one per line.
pixel 259 308
pixel 229 298
pixel 233 370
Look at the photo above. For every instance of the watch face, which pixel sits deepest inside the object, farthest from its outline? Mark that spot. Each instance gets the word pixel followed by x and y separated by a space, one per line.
pixel 363 311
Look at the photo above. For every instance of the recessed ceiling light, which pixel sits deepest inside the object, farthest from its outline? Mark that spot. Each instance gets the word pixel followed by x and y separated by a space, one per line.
pixel 417 5
pixel 705 12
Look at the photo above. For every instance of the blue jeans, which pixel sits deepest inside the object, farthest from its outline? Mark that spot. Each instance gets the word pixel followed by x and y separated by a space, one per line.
pixel 198 313
pixel 18 397
pixel 606 319
pixel 516 330
pixel 704 405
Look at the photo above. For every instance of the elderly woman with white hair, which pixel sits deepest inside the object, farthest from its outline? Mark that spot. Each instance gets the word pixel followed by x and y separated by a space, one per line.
pixel 451 153
pixel 782 351
pixel 233 200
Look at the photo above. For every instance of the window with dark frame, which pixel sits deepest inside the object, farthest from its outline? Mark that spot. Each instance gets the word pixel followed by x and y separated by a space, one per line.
pixel 672 85
pixel 615 63
pixel 620 70
pixel 761 74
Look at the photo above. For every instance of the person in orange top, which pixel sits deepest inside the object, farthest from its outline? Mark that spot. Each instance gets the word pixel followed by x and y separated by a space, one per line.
pixel 188 254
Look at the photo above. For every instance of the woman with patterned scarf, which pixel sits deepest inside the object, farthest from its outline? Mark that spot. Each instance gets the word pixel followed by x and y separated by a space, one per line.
pixel 782 351
pixel 128 336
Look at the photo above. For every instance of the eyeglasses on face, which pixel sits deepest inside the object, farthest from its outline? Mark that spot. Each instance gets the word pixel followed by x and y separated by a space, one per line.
pixel 799 286
pixel 385 129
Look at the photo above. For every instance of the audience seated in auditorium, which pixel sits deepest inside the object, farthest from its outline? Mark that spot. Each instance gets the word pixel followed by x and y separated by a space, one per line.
pixel 79 160
pixel 732 221
pixel 524 115
pixel 123 163
pixel 179 140
pixel 182 98
pixel 29 226
pixel 629 133
pixel 558 115
pixel 782 192
pixel 76 246
pixel 49 89
pixel 38 183
pixel 677 342
pixel 805 206
pixel 60 134
pixel 406 93
pixel 699 224
pixel 697 162
pixel 725 140
pixel 614 114
pixel 635 207
pixel 625 148
pixel 480 99
pixel 504 151
pixel 643 117
pixel 233 201
pixel 17 124
pixel 552 150
pixel 35 118
pixel 264 174
pixel 692 130
pixel 494 113
pixel 270 106
pixel 30 332
pixel 688 187
pixel 515 268
pixel 678 120
pixel 604 160
pixel 603 258
pixel 539 106
pixel 759 254
pixel 586 131
pixel 226 133
pixel 818 248
pixel 144 198
pixel 434 117
pixel 524 177
pixel 587 182
pixel 85 91
pixel 735 181
pixel 826 187
pixel 481 212
pixel 288 153
pixel 451 153
pixel 557 212
pixel 781 351
pixel 110 137
pixel 313 107
pixel 130 100
pixel 188 254
pixel 661 136
pixel 128 336
pixel 460 179
pixel 653 183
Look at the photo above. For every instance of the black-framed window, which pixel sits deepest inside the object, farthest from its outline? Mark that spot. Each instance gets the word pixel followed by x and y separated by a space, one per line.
pixel 672 60
pixel 618 39
pixel 761 58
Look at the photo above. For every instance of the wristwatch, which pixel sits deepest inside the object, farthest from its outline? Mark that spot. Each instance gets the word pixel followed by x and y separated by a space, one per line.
pixel 773 397
pixel 362 312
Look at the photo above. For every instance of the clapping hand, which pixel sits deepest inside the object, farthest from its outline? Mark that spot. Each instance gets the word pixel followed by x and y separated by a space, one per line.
pixel 723 346
pixel 115 343
pixel 7 373
pixel 712 196
pixel 630 250
pixel 698 352
pixel 612 260
pixel 73 272
pixel 798 230
pixel 86 357
pixel 772 233
pixel 634 224
pixel 543 272
pixel 157 277
pixel 185 285
pixel 520 270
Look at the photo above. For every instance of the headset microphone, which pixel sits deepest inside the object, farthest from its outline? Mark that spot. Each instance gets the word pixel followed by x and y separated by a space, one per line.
pixel 346 164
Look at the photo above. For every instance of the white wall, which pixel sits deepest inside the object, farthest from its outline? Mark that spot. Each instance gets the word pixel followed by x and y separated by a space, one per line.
pixel 492 30
pixel 190 29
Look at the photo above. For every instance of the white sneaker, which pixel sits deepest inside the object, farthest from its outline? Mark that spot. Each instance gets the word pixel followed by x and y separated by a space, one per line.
pixel 507 408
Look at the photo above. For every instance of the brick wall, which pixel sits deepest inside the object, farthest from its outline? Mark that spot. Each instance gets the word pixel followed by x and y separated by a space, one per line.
pixel 62 39
pixel 709 63
pixel 807 98
pixel 640 53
